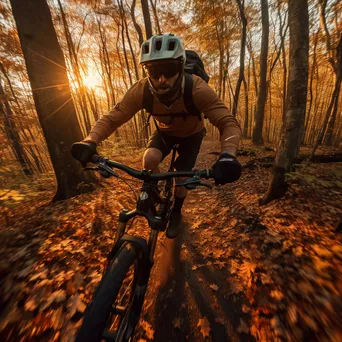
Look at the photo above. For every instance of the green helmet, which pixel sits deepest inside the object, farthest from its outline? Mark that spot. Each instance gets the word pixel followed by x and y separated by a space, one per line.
pixel 160 47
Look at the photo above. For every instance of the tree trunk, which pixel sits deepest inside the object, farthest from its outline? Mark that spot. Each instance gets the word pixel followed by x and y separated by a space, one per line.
pixel 147 18
pixel 155 15
pixel 12 134
pixel 338 70
pixel 245 121
pixel 219 41
pixel 51 92
pixel 243 18
pixel 30 149
pixel 260 112
pixel 312 74
pixel 136 25
pixel 298 83
pixel 282 34
pixel 106 66
pixel 76 69
pixel 331 111
pixel 129 43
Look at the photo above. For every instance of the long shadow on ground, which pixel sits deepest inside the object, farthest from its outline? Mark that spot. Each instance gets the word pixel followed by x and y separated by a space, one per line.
pixel 183 298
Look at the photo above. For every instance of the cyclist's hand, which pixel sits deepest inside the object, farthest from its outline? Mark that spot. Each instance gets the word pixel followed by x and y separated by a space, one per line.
pixel 83 151
pixel 227 169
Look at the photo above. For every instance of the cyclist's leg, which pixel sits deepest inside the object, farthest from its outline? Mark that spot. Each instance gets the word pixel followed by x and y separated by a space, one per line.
pixel 187 154
pixel 158 148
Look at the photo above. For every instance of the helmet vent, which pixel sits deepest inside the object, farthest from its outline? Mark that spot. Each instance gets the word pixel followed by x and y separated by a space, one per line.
pixel 172 45
pixel 146 48
pixel 158 44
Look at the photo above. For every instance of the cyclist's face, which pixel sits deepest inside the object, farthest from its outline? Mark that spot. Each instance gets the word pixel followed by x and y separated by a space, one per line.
pixel 163 75
pixel 163 84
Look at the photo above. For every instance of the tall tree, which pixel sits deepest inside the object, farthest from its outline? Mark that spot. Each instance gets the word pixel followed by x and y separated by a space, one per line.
pixel 298 82
pixel 147 18
pixel 12 133
pixel 241 5
pixel 260 112
pixel 51 92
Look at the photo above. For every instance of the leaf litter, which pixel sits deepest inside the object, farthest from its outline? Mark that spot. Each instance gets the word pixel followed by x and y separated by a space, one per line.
pixel 280 258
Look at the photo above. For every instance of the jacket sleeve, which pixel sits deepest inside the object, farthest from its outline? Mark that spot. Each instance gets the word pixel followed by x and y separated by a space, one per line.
pixel 218 114
pixel 123 111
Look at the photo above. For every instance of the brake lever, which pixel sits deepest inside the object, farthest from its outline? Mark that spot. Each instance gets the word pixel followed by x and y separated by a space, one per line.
pixel 106 171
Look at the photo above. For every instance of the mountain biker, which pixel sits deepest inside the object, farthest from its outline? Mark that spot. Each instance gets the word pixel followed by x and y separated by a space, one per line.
pixel 163 59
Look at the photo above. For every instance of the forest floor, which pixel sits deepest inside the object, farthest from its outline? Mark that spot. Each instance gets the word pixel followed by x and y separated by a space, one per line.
pixel 238 271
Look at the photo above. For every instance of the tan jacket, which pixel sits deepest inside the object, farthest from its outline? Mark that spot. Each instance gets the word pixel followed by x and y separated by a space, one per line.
pixel 204 98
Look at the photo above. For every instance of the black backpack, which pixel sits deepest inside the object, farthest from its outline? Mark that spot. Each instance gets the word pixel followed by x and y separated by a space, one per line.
pixel 193 66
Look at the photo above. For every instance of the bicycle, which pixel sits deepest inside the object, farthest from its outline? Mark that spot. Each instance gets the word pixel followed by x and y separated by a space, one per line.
pixel 118 300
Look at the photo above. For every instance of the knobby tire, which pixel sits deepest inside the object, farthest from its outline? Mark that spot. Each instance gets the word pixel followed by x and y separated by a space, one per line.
pixel 99 311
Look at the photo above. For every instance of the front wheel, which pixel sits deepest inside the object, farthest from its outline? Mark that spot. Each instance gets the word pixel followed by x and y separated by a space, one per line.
pixel 115 309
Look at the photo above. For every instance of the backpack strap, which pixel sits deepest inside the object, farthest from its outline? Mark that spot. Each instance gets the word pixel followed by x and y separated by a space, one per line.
pixel 188 100
pixel 147 99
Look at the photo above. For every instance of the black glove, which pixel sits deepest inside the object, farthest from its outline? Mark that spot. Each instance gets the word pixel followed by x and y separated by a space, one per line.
pixel 227 169
pixel 83 151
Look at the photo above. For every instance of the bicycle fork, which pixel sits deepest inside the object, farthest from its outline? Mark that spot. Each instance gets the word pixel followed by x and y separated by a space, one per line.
pixel 120 237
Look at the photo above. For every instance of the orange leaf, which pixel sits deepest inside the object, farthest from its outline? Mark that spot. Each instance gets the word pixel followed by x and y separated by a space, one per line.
pixel 276 294
pixel 204 325
pixel 148 329
pixel 214 287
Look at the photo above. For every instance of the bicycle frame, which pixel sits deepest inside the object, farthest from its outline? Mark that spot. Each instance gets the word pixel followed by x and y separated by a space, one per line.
pixel 156 222
pixel 156 209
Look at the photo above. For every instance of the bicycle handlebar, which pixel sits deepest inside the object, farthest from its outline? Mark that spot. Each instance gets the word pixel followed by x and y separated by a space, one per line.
pixel 107 165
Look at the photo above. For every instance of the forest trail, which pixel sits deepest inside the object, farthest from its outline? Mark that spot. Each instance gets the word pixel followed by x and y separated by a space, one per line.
pixel 237 272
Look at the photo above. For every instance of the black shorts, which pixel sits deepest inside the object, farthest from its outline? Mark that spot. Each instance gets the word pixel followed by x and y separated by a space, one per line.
pixel 187 150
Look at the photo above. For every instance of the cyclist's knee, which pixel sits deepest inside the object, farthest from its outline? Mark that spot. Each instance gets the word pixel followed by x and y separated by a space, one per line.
pixel 152 158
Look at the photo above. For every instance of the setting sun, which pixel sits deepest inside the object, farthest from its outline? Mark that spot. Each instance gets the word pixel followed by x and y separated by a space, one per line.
pixel 92 80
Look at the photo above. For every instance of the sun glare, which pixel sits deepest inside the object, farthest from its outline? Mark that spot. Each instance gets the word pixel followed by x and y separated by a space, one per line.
pixel 91 81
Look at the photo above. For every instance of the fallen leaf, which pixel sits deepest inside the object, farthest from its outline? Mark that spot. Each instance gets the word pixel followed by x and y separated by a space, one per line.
pixel 292 314
pixel 245 308
pixel 214 287
pixel 58 296
pixel 70 287
pixel 148 329
pixel 204 325
pixel 276 294
pixel 57 318
pixel 75 304
pixel 320 264
pixel 298 251
pixel 266 279
pixel 218 253
pixel 41 275
pixel 234 267
pixel 220 264
pixel 246 271
pixel 235 286
pixel 321 251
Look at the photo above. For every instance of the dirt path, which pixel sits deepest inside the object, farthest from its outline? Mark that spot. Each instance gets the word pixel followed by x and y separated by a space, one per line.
pixel 237 272
pixel 186 300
